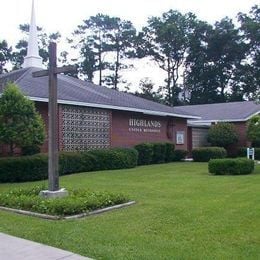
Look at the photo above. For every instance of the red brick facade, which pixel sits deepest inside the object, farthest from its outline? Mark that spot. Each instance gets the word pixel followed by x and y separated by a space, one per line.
pixel 125 135
pixel 121 134
pixel 241 129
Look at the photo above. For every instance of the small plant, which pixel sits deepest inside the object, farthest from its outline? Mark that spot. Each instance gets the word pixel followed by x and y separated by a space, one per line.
pixel 78 201
pixel 236 166
pixel 204 154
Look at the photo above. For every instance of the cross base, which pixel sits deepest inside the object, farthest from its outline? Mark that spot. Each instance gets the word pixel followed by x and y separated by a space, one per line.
pixel 48 194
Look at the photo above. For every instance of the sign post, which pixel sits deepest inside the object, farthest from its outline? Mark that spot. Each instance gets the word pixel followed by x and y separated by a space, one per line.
pixel 250 152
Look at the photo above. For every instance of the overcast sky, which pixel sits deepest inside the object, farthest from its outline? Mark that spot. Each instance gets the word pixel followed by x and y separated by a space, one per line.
pixel 65 15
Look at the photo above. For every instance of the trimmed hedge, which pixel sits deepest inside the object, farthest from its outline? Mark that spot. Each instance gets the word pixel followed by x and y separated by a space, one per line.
pixel 70 162
pixel 204 154
pixel 179 155
pixel 236 166
pixel 169 152
pixel 242 153
pixel 116 158
pixel 149 153
pixel 159 152
pixel 145 153
pixel 25 168
pixel 35 167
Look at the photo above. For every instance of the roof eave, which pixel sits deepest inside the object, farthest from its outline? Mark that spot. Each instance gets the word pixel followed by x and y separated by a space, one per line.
pixel 130 109
pixel 227 120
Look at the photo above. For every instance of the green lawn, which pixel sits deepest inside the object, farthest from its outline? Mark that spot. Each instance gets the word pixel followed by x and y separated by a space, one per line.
pixel 181 213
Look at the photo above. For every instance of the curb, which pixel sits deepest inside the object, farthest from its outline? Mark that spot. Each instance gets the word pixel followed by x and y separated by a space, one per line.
pixel 51 217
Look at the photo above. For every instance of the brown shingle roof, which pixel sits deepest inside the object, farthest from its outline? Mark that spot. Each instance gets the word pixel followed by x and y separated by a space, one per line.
pixel 78 92
pixel 232 111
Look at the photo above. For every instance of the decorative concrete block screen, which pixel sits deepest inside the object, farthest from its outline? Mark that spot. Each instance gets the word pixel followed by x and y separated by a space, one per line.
pixel 199 137
pixel 85 128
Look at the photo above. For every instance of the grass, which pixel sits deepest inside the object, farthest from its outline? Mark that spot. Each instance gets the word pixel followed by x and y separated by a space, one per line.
pixel 181 213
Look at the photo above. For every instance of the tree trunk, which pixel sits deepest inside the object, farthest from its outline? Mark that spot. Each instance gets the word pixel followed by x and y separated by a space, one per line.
pixel 100 67
pixel 169 80
pixel 116 69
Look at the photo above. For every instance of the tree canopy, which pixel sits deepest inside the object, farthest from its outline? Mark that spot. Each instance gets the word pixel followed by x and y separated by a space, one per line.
pixel 222 134
pixel 209 63
pixel 20 124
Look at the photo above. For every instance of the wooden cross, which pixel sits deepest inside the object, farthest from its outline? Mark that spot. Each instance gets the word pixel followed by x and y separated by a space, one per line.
pixel 53 158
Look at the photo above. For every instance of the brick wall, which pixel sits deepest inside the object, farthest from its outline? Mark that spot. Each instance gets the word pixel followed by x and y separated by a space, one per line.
pixel 120 133
pixel 241 129
pixel 126 135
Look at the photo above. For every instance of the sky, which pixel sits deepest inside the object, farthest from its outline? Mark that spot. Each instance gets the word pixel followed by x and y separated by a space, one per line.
pixel 65 15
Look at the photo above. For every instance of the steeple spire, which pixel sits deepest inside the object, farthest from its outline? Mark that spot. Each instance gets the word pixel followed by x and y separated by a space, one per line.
pixel 32 58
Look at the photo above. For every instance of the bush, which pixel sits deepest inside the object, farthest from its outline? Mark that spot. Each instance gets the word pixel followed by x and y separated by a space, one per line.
pixel 26 168
pixel 243 153
pixel 116 158
pixel 159 152
pixel 236 166
pixel 222 135
pixel 145 153
pixel 78 201
pixel 204 154
pixel 179 155
pixel 70 162
pixel 20 124
pixel 253 130
pixel 30 150
pixel 35 167
pixel 169 152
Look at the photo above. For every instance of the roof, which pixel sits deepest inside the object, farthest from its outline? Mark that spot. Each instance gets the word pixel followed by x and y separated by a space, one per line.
pixel 83 93
pixel 225 112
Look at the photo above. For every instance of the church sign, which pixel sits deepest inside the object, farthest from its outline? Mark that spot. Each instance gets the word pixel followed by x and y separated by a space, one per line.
pixel 144 126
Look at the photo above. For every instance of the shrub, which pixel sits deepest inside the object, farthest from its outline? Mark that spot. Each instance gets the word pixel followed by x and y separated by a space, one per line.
pixel 253 130
pixel 243 153
pixel 204 154
pixel 26 168
pixel 169 152
pixel 70 162
pixel 20 124
pixel 35 167
pixel 145 153
pixel 236 166
pixel 222 135
pixel 159 152
pixel 30 150
pixel 116 158
pixel 78 201
pixel 179 155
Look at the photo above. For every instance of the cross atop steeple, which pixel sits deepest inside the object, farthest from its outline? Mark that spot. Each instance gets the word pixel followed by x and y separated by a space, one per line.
pixel 32 58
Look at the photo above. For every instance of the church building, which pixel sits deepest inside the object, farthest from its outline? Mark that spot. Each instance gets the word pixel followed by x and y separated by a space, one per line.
pixel 94 117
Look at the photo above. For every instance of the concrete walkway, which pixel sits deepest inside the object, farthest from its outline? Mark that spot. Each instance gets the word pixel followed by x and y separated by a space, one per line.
pixel 14 248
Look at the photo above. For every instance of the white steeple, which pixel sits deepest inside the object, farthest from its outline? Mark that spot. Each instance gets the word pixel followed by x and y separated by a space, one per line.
pixel 32 58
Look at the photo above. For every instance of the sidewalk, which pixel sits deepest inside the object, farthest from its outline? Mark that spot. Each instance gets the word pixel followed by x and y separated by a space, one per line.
pixel 14 248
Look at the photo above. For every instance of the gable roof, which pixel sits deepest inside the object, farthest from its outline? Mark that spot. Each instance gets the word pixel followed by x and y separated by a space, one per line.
pixel 82 93
pixel 228 112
